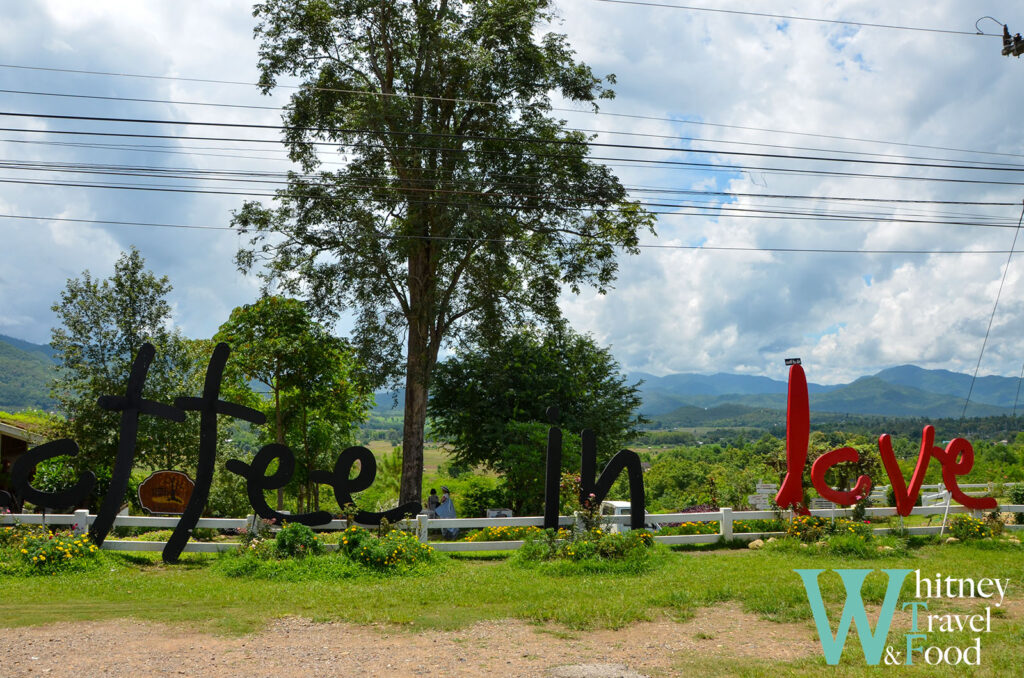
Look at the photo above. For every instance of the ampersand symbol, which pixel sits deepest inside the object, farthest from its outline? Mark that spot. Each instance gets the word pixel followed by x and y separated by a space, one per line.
pixel 891 657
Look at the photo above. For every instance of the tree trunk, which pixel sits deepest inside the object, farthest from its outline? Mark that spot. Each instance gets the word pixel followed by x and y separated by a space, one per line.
pixel 415 422
pixel 417 375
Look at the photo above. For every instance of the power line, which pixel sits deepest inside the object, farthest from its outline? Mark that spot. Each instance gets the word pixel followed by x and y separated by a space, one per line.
pixel 669 164
pixel 716 211
pixel 179 102
pixel 828 250
pixel 492 103
pixel 146 148
pixel 524 139
pixel 1006 269
pixel 798 18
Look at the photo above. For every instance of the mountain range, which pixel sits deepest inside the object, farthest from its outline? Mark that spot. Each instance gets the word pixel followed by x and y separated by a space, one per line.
pixel 671 400
pixel 903 391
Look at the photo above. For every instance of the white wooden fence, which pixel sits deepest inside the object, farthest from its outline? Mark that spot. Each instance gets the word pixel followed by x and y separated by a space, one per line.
pixel 422 525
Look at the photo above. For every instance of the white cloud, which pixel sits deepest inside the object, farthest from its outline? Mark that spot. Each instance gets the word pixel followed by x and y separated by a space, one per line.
pixel 671 310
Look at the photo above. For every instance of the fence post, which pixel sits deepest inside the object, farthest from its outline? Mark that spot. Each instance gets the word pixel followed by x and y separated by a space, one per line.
pixel 81 521
pixel 726 523
pixel 421 527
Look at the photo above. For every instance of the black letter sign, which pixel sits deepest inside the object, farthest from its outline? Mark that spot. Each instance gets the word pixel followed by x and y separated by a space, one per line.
pixel 209 406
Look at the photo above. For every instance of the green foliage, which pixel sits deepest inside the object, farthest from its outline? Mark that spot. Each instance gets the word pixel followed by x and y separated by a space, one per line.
pixel 419 269
pixel 476 494
pixel 49 552
pixel 489 404
pixel 295 540
pixel 504 533
pixel 395 550
pixel 815 528
pixel 966 527
pixel 1016 496
pixel 102 326
pixel 318 393
pixel 629 551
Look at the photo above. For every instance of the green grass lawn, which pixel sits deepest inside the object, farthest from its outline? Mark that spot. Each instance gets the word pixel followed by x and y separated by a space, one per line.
pixel 464 589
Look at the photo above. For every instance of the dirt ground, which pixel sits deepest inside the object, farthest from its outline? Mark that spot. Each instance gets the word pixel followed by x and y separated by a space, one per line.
pixel 294 646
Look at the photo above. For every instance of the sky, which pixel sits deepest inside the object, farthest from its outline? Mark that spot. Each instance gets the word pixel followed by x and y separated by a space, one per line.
pixel 820 88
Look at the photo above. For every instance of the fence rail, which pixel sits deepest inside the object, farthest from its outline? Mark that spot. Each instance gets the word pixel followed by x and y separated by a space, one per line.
pixel 423 524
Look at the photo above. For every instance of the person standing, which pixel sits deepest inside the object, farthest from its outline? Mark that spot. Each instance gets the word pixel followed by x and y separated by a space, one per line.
pixel 432 503
pixel 446 509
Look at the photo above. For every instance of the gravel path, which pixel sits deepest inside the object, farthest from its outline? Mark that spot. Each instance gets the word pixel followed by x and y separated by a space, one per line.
pixel 294 646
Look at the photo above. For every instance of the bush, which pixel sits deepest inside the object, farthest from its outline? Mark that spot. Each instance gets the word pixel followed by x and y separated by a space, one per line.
pixel 394 550
pixel 503 533
pixel 690 528
pixel 966 527
pixel 52 553
pixel 567 553
pixel 759 525
pixel 815 528
pixel 563 544
pixel 295 540
pixel 890 498
pixel 12 536
pixel 1016 495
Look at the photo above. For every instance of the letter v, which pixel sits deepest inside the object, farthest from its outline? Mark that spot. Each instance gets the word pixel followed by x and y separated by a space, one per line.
pixel 906 498
pixel 872 643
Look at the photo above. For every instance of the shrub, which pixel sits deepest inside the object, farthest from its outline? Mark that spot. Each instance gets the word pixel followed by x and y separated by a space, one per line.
pixel 568 553
pixel 53 553
pixel 295 540
pixel 503 533
pixel 563 544
pixel 759 525
pixel 965 527
pixel 815 528
pixel 394 550
pixel 690 528
pixel 12 536
pixel 1016 495
pixel 890 498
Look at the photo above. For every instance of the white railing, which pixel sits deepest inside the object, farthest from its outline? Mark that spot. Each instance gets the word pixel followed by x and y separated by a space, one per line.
pixel 423 524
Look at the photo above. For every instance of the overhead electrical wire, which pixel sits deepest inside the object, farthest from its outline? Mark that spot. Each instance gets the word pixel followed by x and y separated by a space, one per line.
pixel 492 103
pixel 790 17
pixel 524 139
pixel 643 161
pixel 825 250
pixel 178 102
pixel 435 187
pixel 988 330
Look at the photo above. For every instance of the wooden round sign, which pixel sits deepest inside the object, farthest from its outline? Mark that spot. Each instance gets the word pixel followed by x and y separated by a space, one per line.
pixel 166 492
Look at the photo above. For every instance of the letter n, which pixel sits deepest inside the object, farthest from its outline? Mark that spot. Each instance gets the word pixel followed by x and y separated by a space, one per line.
pixel 624 460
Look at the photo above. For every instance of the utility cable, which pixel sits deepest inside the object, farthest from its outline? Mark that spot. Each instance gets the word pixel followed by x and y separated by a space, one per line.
pixel 509 139
pixel 1006 270
pixel 492 103
pixel 789 17
pixel 827 250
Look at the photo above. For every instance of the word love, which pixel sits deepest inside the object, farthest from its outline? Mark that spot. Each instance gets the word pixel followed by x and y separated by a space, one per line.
pixel 957 459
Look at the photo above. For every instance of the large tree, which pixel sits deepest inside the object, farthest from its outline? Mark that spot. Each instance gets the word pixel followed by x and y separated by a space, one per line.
pixel 459 202
pixel 489 404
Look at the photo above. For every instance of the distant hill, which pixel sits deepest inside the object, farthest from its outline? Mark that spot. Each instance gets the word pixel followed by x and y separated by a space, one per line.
pixel 991 389
pixel 25 373
pixel 904 391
